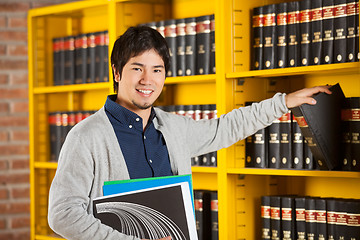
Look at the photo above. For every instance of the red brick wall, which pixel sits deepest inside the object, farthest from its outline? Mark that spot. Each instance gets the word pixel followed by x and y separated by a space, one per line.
pixel 14 130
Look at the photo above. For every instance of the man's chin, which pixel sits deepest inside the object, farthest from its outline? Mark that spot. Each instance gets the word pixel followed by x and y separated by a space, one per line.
pixel 143 106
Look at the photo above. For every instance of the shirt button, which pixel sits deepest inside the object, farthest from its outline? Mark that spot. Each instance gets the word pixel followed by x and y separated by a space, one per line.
pixel 137 119
pixel 130 126
pixel 150 161
pixel 144 137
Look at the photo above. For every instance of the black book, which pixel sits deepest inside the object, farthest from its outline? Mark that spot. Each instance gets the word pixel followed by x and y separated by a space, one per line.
pixel 305 31
pixel 69 52
pixel 180 47
pixel 269 34
pixel 297 147
pixel 160 27
pixel 341 219
pixel 55 135
pixel 56 61
pixel 214 215
pixel 260 148
pixel 99 56
pixel 310 218
pixel 265 218
pixel 321 223
pixel 274 144
pixel 61 78
pixel 339 31
pixel 285 141
pixel 249 152
pixel 80 58
pixel 288 218
pixel 357 51
pixel 202 201
pixel 321 126
pixel 203 45
pixel 258 39
pixel 346 122
pixel 275 217
pixel 64 126
pixel 316 31
pixel 213 159
pixel 355 133
pixel 300 218
pixel 328 32
pixel 308 156
pixel 353 219
pixel 293 32
pixel 351 55
pixel 331 218
pixel 106 56
pixel 281 35
pixel 190 46
pixel 91 58
pixel 205 159
pixel 170 37
pixel 212 69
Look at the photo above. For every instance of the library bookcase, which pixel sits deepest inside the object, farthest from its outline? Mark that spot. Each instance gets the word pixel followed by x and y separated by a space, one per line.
pixel 239 189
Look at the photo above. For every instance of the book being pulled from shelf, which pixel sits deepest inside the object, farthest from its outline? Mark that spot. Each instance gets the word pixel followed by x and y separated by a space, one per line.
pixel 149 208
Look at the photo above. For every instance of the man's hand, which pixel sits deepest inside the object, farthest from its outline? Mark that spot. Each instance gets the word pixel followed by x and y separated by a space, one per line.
pixel 166 238
pixel 297 98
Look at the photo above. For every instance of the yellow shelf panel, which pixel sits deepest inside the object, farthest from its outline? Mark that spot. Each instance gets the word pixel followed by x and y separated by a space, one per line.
pixel 210 78
pixel 290 172
pixel 72 88
pixel 328 69
pixel 43 237
pixel 46 165
pixel 204 169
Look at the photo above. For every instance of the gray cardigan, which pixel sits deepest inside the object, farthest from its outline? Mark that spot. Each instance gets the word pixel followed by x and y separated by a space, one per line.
pixel 91 155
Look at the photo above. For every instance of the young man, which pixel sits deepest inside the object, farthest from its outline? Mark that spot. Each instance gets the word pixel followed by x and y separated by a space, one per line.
pixel 129 138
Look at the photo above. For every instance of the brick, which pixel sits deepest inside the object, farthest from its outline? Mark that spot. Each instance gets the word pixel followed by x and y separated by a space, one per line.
pixel 19 107
pixel 18 78
pixel 4 136
pixel 9 150
pixel 2 225
pixel 14 178
pixel 17 22
pixel 11 64
pixel 14 207
pixel 4 108
pixel 14 121
pixel 14 7
pixel 4 194
pixel 4 78
pixel 17 50
pixel 20 222
pixel 2 21
pixel 19 234
pixel 14 93
pixel 2 49
pixel 19 135
pixel 23 192
pixel 4 165
pixel 14 36
pixel 20 164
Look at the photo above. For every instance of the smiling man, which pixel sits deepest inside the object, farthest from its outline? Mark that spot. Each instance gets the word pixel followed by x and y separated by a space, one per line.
pixel 129 138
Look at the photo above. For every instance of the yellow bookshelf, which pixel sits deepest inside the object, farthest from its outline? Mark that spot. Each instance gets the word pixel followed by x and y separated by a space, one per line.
pixel 239 189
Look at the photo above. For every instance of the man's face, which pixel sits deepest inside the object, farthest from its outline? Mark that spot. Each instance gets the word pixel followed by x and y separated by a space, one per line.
pixel 142 80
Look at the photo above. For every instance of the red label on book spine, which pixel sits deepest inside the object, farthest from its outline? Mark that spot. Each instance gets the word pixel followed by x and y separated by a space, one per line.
pixel 286 214
pixel 340 10
pixel 301 121
pixel 300 214
pixel 275 213
pixel 198 204
pixel 203 27
pixel 258 20
pixel 305 16
pixel 265 211
pixel 331 217
pixel 293 17
pixel 351 8
pixel 214 205
pixel 310 216
pixel 328 12
pixel 281 19
pixel 321 216
pixel 316 14
pixel 269 20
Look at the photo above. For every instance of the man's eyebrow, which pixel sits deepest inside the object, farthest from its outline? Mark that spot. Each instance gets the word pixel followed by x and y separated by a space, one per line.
pixel 142 65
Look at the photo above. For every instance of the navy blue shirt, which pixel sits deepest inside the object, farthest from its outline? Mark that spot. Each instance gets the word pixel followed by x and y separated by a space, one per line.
pixel 145 151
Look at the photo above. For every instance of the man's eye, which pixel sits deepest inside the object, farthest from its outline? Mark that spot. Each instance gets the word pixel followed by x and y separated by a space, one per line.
pixel 157 70
pixel 137 69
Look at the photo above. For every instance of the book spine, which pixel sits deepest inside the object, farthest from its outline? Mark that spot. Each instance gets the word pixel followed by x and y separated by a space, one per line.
pixel 346 135
pixel 274 144
pixel 353 219
pixel 339 31
pixel 91 59
pixel 341 219
pixel 106 56
pixel 355 133
pixel 80 58
pixel 293 31
pixel 56 61
pixel 199 212
pixel 180 47
pixel 275 217
pixel 258 40
pixel 305 31
pixel 265 217
pixel 331 218
pixel 249 152
pixel 69 48
pixel 357 49
pixel 190 46
pixel 350 31
pixel 99 43
pixel 203 221
pixel 260 149
pixel 203 45
pixel 321 225
pixel 214 215
pixel 308 157
pixel 61 79
pixel 328 32
pixel 300 218
pixel 269 33
pixel 285 141
pixel 288 218
pixel 212 68
pixel 297 147
pixel 170 37
pixel 310 218
pixel 317 31
pixel 53 137
pixel 213 159
pixel 281 35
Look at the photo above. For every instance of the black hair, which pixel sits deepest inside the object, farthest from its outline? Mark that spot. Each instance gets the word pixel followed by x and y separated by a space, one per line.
pixel 135 41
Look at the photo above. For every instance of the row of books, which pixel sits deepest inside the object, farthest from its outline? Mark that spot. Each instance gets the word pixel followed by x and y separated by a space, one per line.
pixel 81 58
pixel 206 214
pixel 191 43
pixel 306 32
pixel 60 123
pixel 298 217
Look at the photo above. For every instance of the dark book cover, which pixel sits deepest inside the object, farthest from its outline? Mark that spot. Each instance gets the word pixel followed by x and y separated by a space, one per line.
pixel 56 61
pixel 64 126
pixel 91 58
pixel 321 126
pixel 341 219
pixel 205 159
pixel 61 78
pixel 55 135
pixel 269 33
pixel 170 37
pixel 106 57
pixel 202 202
pixel 260 148
pixel 297 147
pixel 195 161
pixel 258 39
pixel 69 49
pixel 353 219
pixel 331 218
pixel 355 133
pixel 293 32
pixel 275 217
pixel 351 55
pixel 305 32
pixel 180 47
pixel 213 159
pixel 203 45
pixel 308 156
pixel 321 223
pixel 249 152
pixel 80 59
pixel 340 31
pixel 288 218
pixel 357 51
pixel 190 46
pixel 281 35
pixel 160 27
pixel 265 218
pixel 99 56
pixel 328 32
pixel 285 141
pixel 214 215
pixel 274 144
pixel 300 218
pixel 310 218
pixel 212 69
pixel 316 31
pixel 346 122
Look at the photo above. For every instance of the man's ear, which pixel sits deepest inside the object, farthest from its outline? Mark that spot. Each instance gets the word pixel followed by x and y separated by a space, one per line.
pixel 116 73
